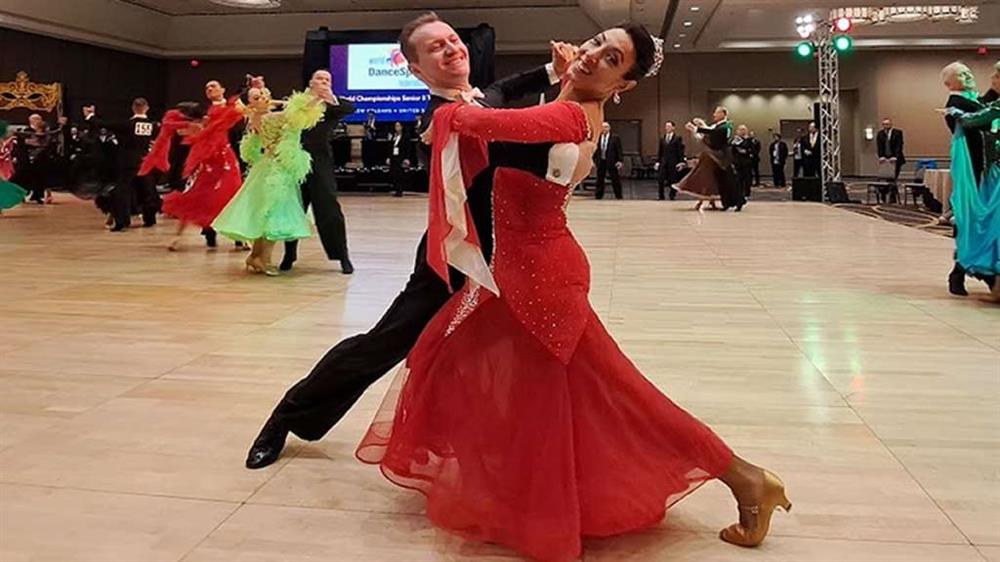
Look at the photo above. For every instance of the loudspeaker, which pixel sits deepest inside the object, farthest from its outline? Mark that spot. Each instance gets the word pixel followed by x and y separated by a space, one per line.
pixel 836 192
pixel 807 189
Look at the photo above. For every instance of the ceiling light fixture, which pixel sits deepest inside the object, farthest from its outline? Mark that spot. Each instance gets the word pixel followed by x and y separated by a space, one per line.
pixel 907 14
pixel 688 24
pixel 677 45
pixel 248 3
pixel 695 8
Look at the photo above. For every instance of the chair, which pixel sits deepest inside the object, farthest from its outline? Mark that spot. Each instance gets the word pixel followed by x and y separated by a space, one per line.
pixel 636 168
pixel 886 182
pixel 915 186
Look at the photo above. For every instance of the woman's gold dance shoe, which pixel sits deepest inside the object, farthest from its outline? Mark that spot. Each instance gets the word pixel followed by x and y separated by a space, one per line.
pixel 755 520
pixel 255 265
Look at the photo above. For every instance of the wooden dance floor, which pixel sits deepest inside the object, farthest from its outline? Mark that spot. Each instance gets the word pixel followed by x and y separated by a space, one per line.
pixel 817 342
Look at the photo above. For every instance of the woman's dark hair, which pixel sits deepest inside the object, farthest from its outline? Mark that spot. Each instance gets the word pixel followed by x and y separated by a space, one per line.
pixel 190 109
pixel 645 50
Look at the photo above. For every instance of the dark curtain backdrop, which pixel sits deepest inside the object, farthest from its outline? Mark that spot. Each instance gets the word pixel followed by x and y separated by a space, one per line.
pixel 111 79
pixel 187 83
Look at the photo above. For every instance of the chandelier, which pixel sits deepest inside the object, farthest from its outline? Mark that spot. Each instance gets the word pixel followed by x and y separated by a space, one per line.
pixel 907 14
pixel 248 3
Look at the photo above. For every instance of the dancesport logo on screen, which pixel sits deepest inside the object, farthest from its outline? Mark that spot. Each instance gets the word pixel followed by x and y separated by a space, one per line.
pixel 379 66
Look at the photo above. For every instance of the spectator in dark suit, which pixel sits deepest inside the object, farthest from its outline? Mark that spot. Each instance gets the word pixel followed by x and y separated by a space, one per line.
pixel 810 153
pixel 797 153
pixel 399 159
pixel 778 155
pixel 669 160
pixel 608 158
pixel 755 148
pixel 890 146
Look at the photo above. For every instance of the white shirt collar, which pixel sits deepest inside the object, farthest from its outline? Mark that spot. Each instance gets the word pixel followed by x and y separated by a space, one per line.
pixel 219 102
pixel 450 94
pixel 140 116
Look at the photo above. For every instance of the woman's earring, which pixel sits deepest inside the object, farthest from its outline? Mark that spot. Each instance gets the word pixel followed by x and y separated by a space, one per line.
pixel 617 99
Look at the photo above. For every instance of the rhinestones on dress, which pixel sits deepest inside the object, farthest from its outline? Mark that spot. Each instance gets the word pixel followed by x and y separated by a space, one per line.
pixel 470 299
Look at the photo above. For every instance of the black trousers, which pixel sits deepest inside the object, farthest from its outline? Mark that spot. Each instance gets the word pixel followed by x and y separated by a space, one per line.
pixel 810 167
pixel 744 175
pixel 320 191
pixel 606 169
pixel 396 175
pixel 666 180
pixel 31 176
pixel 796 168
pixel 133 192
pixel 778 171
pixel 316 403
pixel 755 169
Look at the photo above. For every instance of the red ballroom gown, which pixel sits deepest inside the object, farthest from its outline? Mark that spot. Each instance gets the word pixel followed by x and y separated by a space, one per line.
pixel 211 165
pixel 518 416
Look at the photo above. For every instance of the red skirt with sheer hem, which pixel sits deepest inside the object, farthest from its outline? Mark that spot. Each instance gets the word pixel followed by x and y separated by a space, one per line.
pixel 512 446
pixel 215 183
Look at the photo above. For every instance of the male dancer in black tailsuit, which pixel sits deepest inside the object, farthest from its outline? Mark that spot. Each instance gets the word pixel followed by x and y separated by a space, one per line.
pixel 134 140
pixel 310 409
pixel 320 186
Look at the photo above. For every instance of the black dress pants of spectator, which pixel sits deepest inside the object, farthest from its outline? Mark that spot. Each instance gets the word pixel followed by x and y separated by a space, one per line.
pixel 778 171
pixel 605 170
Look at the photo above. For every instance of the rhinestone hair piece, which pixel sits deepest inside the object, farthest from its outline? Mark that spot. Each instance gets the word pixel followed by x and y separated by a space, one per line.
pixel 657 57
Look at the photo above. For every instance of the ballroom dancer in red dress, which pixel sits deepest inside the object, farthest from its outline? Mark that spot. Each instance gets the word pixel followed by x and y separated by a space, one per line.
pixel 212 167
pixel 516 413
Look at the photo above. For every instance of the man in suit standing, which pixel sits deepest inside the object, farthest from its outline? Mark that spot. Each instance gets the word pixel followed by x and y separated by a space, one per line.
pixel 669 160
pixel 797 154
pixel 755 148
pixel 88 168
pixel 134 140
pixel 608 158
pixel 399 158
pixel 889 142
pixel 320 187
pixel 778 154
pixel 810 152
pixel 439 58
pixel 371 126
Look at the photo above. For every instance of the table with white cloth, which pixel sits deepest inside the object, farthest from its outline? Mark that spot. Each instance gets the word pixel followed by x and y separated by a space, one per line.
pixel 939 184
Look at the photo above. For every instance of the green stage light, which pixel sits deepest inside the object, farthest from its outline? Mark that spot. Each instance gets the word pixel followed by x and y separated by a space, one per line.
pixel 843 43
pixel 805 49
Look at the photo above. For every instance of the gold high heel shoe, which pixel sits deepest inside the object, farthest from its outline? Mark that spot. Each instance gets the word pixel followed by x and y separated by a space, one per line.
pixel 255 265
pixel 758 516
